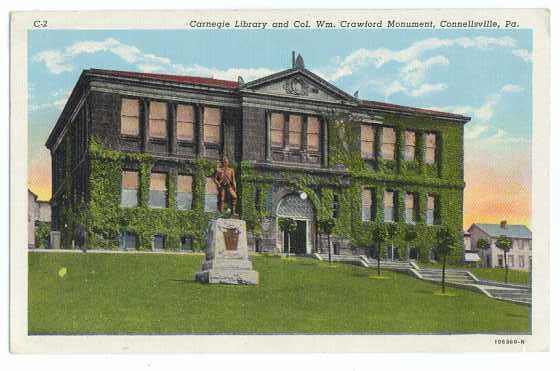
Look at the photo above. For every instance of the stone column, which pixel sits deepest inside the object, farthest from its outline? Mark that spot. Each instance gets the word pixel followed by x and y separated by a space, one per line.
pixel 324 142
pixel 145 123
pixel 199 130
pixel 268 144
pixel 172 127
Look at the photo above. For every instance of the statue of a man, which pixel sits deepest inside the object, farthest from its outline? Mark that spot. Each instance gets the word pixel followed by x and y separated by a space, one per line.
pixel 224 177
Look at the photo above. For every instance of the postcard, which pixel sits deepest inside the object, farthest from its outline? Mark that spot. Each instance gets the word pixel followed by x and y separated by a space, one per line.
pixel 280 181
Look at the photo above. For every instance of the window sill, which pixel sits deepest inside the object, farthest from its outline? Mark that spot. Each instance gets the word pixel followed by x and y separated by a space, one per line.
pixel 130 136
pixel 157 140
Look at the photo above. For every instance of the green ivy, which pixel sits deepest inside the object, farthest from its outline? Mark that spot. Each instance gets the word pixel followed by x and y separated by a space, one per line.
pixel 42 234
pixel 104 219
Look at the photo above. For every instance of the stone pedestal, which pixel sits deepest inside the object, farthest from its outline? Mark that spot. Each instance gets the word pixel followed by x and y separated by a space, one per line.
pixel 227 256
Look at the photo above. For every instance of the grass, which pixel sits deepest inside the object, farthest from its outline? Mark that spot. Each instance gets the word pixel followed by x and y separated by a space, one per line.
pixel 490 274
pixel 156 294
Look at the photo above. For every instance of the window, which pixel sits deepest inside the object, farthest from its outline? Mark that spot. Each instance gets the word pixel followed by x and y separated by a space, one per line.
pixel 389 206
pixel 510 260
pixel 313 129
pixel 212 125
pixel 158 120
pixel 430 209
pixel 129 189
pixel 185 122
pixel 130 123
pixel 521 260
pixel 277 129
pixel 366 204
pixel 430 156
pixel 409 208
pixel 294 131
pixel 210 195
pixel 158 242
pixel 158 190
pixel 127 241
pixel 500 261
pixel 184 192
pixel 388 146
pixel 367 141
pixel 409 145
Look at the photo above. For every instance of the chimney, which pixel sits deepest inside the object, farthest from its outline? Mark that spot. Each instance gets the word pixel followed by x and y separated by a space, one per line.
pixel 293 59
pixel 503 224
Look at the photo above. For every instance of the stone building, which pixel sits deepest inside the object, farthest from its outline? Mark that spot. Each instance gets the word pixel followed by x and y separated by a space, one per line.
pixel 39 212
pixel 133 154
pixel 520 255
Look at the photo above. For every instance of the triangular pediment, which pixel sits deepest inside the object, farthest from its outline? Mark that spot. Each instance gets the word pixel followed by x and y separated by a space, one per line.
pixel 298 83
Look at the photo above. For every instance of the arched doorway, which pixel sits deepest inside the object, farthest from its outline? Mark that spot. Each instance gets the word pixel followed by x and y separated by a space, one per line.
pixel 300 209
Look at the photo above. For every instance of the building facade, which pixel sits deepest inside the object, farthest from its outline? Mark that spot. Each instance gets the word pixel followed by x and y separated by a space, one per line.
pixel 520 255
pixel 38 221
pixel 133 154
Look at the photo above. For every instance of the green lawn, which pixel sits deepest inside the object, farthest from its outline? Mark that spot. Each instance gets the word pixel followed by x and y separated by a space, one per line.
pixel 491 274
pixel 156 294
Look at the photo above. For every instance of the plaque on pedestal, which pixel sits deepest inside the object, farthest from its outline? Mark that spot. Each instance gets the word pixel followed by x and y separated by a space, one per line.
pixel 227 257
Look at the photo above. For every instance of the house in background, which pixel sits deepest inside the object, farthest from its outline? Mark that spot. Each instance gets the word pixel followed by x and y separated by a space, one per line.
pixel 38 212
pixel 519 257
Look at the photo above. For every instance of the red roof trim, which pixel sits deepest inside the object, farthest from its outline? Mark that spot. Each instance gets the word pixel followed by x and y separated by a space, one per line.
pixel 194 80
pixel 396 107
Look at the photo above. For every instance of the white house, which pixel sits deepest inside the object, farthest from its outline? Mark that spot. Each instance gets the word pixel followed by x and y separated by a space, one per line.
pixel 519 257
pixel 37 211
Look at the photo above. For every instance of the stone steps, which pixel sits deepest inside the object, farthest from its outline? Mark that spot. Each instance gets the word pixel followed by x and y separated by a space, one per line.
pixel 513 294
pixel 454 276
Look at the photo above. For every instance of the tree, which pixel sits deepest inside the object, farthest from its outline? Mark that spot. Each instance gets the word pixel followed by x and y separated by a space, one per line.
pixel 410 235
pixel 380 237
pixel 288 226
pixel 483 244
pixel 504 243
pixel 446 243
pixel 327 226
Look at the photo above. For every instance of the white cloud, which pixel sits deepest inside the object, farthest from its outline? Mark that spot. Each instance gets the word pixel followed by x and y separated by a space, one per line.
pixel 381 56
pixel 59 61
pixel 474 131
pixel 54 61
pixel 59 99
pixel 414 71
pixel 248 74
pixel 524 54
pixel 480 130
pixel 511 88
pixel 393 88
pixel 427 88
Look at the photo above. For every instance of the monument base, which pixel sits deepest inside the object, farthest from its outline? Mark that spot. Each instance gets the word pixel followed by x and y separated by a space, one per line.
pixel 232 277
pixel 227 259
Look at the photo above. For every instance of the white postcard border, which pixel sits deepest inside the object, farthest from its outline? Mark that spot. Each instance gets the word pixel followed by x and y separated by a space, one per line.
pixel 537 20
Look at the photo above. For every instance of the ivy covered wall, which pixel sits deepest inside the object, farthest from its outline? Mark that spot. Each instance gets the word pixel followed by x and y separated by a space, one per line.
pixel 104 220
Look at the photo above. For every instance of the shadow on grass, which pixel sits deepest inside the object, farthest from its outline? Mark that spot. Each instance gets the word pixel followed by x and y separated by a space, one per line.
pixel 183 281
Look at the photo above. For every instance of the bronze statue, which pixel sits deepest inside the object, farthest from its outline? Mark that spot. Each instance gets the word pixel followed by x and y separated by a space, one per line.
pixel 224 177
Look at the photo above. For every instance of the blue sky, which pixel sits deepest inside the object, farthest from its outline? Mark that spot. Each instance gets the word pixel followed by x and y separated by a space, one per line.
pixel 485 74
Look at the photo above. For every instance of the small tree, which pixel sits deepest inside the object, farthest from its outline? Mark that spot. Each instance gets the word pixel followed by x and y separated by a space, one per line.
pixel 483 244
pixel 504 243
pixel 410 235
pixel 327 226
pixel 288 226
pixel 380 237
pixel 446 243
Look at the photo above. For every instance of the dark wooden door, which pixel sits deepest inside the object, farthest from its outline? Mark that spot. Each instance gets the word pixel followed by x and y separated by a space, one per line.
pixel 299 238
